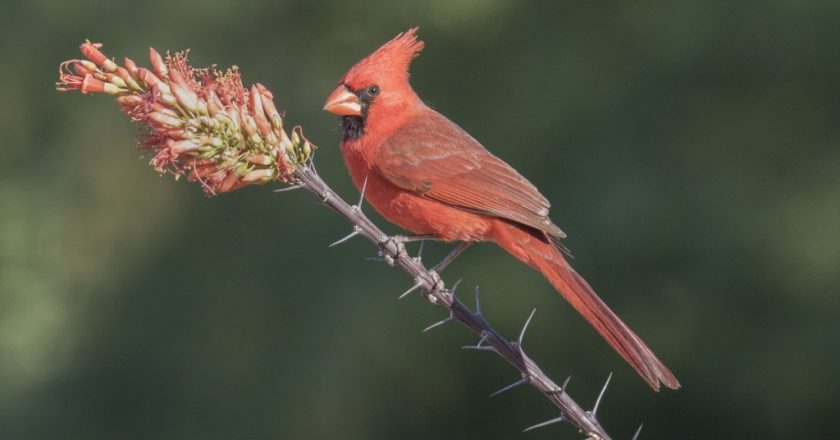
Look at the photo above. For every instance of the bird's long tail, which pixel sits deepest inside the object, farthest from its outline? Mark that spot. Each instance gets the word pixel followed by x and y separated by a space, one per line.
pixel 541 254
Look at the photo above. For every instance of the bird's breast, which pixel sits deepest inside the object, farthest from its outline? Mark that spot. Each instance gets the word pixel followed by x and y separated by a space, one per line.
pixel 409 210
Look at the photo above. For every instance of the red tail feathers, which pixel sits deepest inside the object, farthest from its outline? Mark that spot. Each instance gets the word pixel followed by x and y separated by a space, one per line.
pixel 544 256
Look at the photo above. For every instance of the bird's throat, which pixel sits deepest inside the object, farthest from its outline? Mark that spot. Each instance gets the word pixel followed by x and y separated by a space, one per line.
pixel 353 126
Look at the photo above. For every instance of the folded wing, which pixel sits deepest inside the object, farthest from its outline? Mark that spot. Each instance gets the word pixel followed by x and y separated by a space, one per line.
pixel 432 156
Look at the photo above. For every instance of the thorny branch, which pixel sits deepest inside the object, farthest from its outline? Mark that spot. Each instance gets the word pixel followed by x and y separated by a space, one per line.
pixel 434 289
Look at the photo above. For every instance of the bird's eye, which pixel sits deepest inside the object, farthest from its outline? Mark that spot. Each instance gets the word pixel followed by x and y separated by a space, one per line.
pixel 372 91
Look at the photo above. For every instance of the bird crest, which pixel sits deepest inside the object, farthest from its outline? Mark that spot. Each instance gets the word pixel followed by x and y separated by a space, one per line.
pixel 390 61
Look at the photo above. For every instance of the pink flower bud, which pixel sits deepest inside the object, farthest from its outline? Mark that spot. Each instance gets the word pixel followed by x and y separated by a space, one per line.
pixel 183 94
pixel 115 80
pixel 249 126
pixel 91 52
pixel 182 146
pixel 128 103
pixel 235 116
pixel 202 171
pixel 81 70
pixel 161 108
pixel 214 105
pixel 153 81
pixel 230 183
pixel 131 66
pixel 259 114
pixel 125 75
pixel 270 109
pixel 164 121
pixel 92 85
pixel 148 77
pixel 157 63
pixel 261 159
pixel 258 175
pixel 265 92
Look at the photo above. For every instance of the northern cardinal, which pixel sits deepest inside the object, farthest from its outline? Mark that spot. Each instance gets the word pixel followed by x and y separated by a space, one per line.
pixel 424 173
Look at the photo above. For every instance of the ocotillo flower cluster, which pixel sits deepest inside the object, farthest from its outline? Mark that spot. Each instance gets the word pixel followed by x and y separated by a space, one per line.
pixel 200 122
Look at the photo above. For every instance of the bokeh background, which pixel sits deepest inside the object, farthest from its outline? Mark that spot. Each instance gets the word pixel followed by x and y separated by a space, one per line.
pixel 690 150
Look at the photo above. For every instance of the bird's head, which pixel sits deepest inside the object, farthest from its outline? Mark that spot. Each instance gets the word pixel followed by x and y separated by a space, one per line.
pixel 376 90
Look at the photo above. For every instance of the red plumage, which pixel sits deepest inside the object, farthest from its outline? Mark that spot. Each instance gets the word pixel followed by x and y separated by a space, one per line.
pixel 427 175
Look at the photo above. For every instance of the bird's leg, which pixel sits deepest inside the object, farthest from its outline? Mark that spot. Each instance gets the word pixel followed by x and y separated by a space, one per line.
pixel 459 249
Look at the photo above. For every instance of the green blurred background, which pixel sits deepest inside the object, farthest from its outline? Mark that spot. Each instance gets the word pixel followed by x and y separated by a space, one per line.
pixel 690 151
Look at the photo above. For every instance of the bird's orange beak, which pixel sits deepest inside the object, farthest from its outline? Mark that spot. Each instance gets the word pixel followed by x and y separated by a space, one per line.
pixel 343 102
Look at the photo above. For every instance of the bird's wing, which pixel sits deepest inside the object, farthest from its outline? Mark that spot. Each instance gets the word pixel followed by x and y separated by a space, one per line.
pixel 432 156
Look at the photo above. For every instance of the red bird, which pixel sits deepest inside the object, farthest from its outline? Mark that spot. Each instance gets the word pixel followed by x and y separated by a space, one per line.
pixel 427 175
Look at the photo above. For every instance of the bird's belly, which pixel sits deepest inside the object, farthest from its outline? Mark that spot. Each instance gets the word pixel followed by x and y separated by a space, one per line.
pixel 424 216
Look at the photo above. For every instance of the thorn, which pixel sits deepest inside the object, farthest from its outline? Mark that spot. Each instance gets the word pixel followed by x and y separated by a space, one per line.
pixel 356 231
pixel 594 411
pixel 441 322
pixel 546 423
pixel 419 256
pixel 477 303
pixel 525 327
pixel 636 435
pixel 289 188
pixel 478 347
pixel 565 384
pixel 522 381
pixel 411 289
pixel 358 206
pixel 455 286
